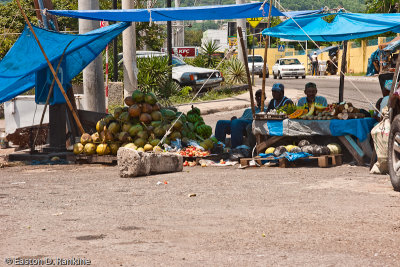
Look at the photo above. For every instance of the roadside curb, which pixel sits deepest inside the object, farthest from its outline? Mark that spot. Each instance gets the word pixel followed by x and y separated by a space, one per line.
pixel 353 78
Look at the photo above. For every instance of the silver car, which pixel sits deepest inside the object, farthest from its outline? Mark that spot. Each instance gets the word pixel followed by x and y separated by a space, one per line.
pixel 258 65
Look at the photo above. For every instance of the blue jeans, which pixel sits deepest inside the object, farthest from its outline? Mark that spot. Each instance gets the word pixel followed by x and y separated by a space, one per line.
pixel 235 128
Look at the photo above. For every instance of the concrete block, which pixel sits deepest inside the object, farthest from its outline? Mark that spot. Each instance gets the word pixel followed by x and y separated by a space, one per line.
pixel 132 163
pixel 165 162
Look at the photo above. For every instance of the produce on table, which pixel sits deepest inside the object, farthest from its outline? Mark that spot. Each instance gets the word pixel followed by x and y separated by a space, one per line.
pixel 142 125
pixel 341 111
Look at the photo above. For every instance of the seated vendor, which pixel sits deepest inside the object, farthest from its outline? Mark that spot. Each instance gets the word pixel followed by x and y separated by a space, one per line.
pixel 236 127
pixel 311 96
pixel 278 97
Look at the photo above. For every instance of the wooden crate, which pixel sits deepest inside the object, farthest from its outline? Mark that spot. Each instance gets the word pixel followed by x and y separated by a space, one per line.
pixel 323 161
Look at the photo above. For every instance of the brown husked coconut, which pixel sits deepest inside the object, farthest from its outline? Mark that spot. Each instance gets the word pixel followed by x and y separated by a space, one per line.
pixel 156 107
pixel 129 101
pixel 134 110
pixel 145 118
pixel 146 108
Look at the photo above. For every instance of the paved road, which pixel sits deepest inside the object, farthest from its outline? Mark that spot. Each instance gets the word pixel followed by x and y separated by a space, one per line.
pixel 341 216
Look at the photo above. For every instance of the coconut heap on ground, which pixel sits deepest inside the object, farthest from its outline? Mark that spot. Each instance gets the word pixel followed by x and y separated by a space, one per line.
pixel 141 125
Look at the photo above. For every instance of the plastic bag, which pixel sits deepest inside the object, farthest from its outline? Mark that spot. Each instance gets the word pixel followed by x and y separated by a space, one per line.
pixel 380 135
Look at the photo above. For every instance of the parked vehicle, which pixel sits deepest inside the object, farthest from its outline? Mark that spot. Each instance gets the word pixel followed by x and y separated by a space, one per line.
pixel 258 66
pixel 187 75
pixel 288 67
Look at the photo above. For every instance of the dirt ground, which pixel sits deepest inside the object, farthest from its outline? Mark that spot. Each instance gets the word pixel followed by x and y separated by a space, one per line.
pixel 252 217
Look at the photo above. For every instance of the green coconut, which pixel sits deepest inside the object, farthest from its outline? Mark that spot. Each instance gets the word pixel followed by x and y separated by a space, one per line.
pixel 137 96
pixel 131 145
pixel 159 131
pixel 155 124
pixel 117 112
pixel 175 135
pixel 100 125
pixel 140 142
pixel 143 134
pixel 124 137
pixel 78 148
pixel 154 142
pixel 124 117
pixel 156 116
pixel 114 127
pixel 103 149
pixel 126 126
pixel 106 136
pixel 148 147
pixel 114 148
pixel 90 149
pixel 135 129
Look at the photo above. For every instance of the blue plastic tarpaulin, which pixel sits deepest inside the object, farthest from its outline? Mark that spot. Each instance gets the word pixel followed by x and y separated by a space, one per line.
pixel 19 66
pixel 171 14
pixel 345 26
pixel 359 128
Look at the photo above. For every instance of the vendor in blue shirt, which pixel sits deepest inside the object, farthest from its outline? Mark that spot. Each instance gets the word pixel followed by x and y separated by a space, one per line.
pixel 278 97
pixel 311 97
pixel 237 126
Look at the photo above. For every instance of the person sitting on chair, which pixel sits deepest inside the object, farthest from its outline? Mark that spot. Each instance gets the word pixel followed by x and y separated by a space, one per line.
pixel 237 126
pixel 311 96
pixel 278 97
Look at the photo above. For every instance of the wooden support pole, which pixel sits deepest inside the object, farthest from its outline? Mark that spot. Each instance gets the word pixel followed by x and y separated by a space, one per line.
pixel 52 70
pixel 343 71
pixel 253 110
pixel 265 59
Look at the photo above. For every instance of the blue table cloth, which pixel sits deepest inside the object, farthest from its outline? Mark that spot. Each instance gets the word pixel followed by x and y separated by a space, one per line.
pixel 359 128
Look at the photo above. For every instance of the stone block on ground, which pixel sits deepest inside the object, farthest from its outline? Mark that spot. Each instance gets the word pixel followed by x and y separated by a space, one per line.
pixel 132 163
pixel 165 162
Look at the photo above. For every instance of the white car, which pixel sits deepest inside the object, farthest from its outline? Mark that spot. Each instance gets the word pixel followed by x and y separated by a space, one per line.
pixel 288 67
pixel 258 65
pixel 188 75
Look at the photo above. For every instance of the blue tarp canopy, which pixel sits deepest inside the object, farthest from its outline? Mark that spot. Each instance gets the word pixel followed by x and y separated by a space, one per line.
pixel 345 26
pixel 19 66
pixel 392 46
pixel 171 14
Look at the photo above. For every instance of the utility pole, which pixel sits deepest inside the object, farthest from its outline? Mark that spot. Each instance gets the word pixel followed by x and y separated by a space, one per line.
pixel 129 53
pixel 169 41
pixel 242 24
pixel 93 77
pixel 179 29
pixel 115 51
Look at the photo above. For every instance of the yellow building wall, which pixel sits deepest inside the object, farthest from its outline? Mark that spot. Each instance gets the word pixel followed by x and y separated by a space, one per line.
pixel 357 58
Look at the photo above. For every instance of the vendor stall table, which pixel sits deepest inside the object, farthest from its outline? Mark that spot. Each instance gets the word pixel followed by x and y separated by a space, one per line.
pixel 275 130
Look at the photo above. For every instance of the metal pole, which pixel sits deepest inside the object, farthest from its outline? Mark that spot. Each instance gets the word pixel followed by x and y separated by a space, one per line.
pixel 52 70
pixel 252 44
pixel 115 51
pixel 265 59
pixel 169 41
pixel 253 110
pixel 343 71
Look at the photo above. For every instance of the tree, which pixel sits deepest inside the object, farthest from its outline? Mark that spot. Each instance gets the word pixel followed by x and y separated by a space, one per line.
pixel 382 6
pixel 193 37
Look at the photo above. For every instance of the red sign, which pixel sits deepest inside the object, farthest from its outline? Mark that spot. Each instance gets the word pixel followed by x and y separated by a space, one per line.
pixel 103 24
pixel 185 51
